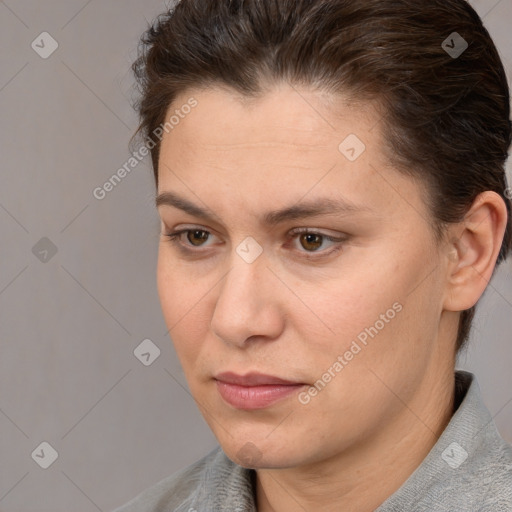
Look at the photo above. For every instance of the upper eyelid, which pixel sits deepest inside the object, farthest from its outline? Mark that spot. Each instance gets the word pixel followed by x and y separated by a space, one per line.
pixel 292 234
pixel 293 231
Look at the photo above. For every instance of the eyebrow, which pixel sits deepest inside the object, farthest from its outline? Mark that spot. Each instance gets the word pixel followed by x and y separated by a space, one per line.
pixel 301 210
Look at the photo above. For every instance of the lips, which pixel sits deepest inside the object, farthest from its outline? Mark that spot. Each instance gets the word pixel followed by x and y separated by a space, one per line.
pixel 254 390
pixel 254 379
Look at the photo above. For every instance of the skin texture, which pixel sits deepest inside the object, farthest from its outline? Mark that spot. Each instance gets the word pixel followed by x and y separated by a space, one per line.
pixel 356 442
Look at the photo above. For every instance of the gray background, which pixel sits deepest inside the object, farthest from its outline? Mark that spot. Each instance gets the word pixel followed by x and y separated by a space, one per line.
pixel 69 325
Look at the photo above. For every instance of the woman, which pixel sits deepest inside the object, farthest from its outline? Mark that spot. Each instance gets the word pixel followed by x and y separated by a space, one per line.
pixel 331 188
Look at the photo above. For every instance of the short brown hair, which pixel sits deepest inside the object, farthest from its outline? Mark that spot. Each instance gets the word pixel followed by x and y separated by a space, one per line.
pixel 447 117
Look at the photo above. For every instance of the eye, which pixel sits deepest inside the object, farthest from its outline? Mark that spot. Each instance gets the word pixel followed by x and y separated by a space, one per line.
pixel 196 237
pixel 311 241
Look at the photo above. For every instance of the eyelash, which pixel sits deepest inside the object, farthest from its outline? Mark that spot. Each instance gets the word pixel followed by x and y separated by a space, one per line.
pixel 174 239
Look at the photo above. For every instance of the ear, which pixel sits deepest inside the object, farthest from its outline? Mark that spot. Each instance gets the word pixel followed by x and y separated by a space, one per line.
pixel 473 250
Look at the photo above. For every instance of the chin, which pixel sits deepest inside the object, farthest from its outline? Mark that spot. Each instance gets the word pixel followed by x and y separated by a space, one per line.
pixel 262 455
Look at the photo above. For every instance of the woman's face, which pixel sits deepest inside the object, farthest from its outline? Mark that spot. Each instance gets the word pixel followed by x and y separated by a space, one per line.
pixel 296 346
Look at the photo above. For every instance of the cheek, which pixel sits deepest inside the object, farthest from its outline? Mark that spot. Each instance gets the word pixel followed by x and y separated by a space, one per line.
pixel 179 292
pixel 386 299
pixel 167 290
pixel 356 300
pixel 184 303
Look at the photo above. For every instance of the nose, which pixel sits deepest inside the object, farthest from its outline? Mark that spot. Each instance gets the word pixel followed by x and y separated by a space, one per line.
pixel 248 307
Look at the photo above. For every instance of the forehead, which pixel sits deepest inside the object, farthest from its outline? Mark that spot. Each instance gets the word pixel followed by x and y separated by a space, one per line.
pixel 286 128
pixel 283 146
pixel 301 118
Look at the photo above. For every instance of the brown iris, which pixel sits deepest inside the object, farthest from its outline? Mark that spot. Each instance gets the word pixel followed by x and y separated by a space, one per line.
pixel 195 236
pixel 311 239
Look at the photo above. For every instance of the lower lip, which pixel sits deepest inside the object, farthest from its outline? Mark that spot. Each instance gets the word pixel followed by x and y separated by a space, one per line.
pixel 255 397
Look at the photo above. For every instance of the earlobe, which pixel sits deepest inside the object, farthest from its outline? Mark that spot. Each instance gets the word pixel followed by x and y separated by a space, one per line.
pixel 473 251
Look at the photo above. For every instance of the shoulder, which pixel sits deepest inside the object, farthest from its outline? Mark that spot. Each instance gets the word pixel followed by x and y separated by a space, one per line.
pixel 494 477
pixel 469 468
pixel 484 479
pixel 485 471
pixel 474 463
pixel 475 479
pixel 180 490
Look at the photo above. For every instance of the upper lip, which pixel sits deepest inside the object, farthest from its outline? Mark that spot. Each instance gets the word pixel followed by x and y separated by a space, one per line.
pixel 253 379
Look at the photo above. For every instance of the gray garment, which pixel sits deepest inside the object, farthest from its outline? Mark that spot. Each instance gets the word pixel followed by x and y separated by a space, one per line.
pixel 468 470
